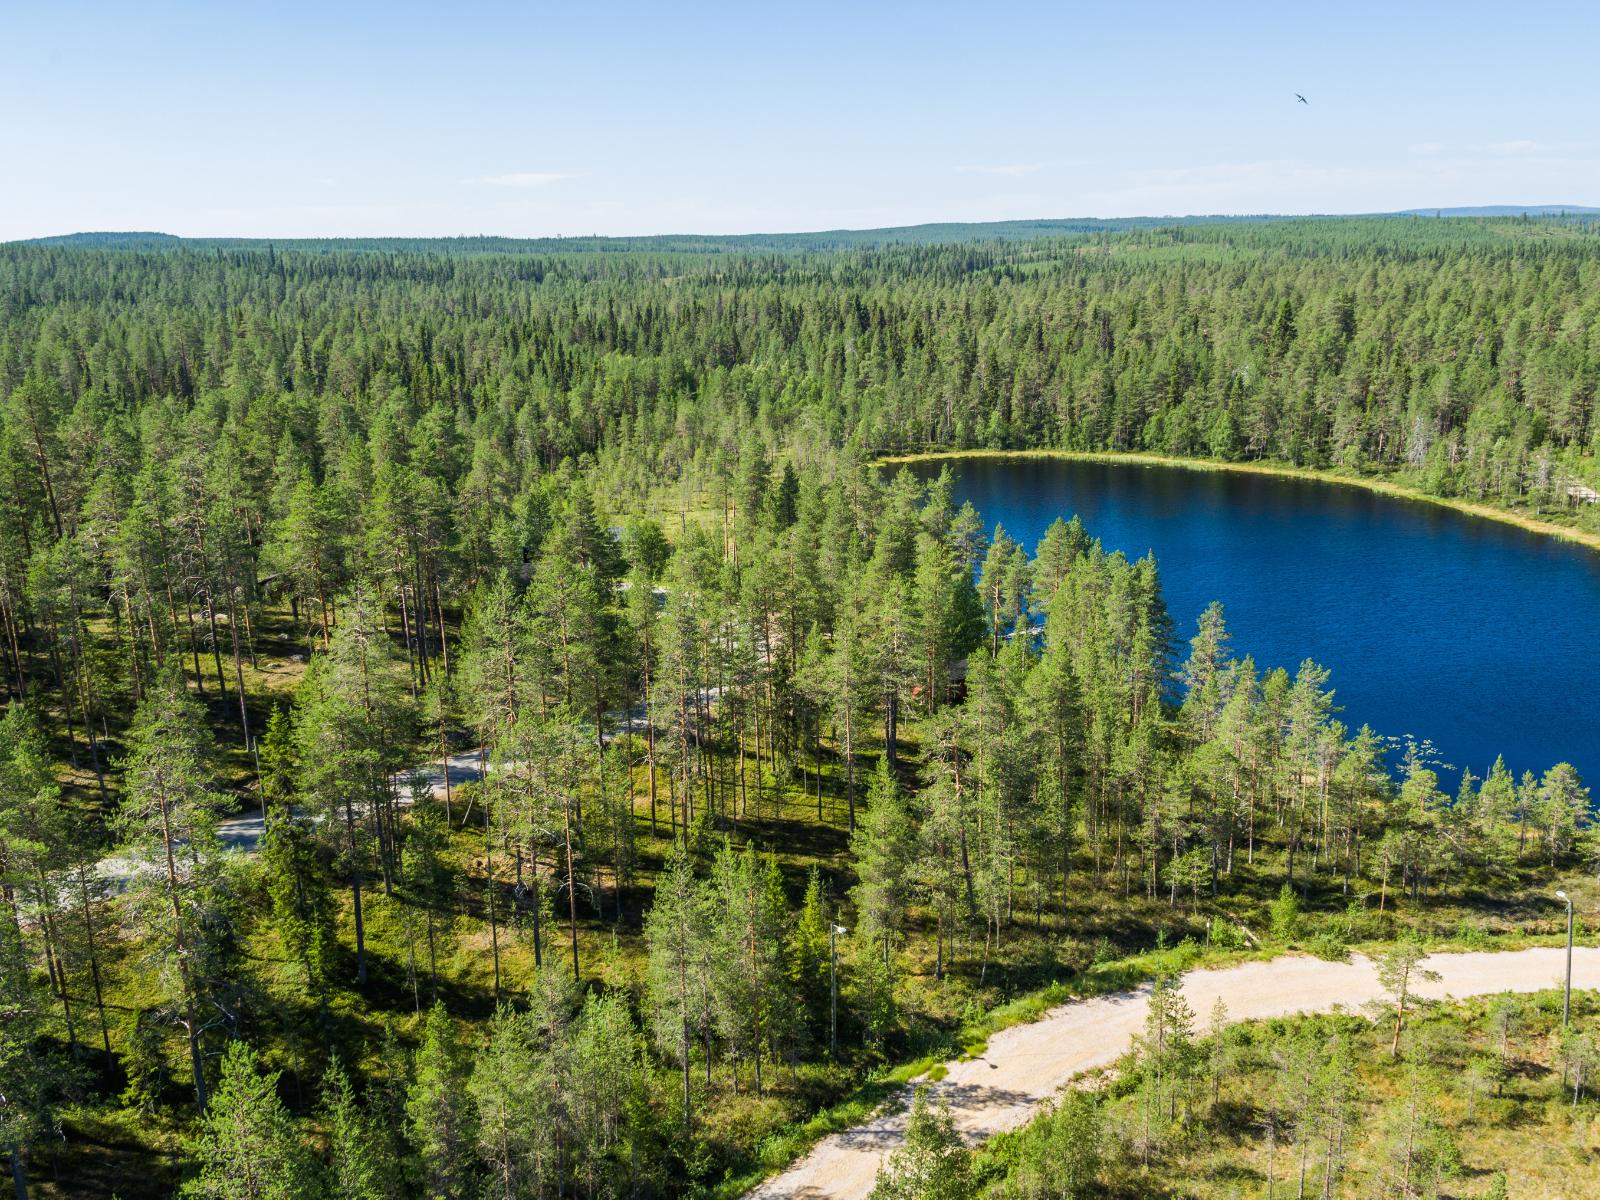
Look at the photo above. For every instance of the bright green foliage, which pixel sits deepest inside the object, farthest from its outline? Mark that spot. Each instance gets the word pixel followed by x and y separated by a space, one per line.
pixel 751 1000
pixel 513 1092
pixel 31 1078
pixel 1418 1154
pixel 249 1148
pixel 610 824
pixel 144 1063
pixel 33 823
pixel 606 1101
pixel 1058 1157
pixel 1284 915
pixel 440 1116
pixel 277 757
pixel 310 548
pixel 883 844
pixel 1168 1064
pixel 932 1164
pixel 1399 971
pixel 807 958
pixel 350 727
pixel 168 818
pixel 303 908
pixel 361 1163
pixel 678 935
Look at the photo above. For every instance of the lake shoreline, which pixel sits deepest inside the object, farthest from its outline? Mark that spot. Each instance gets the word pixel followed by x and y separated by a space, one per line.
pixel 1385 487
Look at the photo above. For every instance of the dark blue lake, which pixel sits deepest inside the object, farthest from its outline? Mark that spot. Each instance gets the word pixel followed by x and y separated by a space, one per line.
pixel 1481 637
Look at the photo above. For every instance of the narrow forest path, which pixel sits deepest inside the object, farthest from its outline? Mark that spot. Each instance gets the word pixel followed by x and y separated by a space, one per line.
pixel 1025 1065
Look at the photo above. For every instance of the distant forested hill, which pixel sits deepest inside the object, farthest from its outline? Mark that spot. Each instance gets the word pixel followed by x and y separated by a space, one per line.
pixel 1504 210
pixel 820 241
pixel 832 239
pixel 108 240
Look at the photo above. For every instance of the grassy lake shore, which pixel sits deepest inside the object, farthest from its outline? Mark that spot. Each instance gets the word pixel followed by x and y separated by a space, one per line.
pixel 1386 487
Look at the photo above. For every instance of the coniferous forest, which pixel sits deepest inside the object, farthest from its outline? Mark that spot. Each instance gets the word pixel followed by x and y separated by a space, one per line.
pixel 481 719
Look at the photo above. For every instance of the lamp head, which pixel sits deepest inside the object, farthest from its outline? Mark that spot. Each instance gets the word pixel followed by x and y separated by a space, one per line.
pixel 1562 896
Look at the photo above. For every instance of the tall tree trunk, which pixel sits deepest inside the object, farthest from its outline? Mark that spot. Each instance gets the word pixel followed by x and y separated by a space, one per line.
pixel 238 670
pixel 572 886
pixel 489 897
pixel 191 1025
pixel 94 961
pixel 355 894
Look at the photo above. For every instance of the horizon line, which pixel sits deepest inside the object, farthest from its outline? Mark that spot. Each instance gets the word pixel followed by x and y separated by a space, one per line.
pixel 1441 210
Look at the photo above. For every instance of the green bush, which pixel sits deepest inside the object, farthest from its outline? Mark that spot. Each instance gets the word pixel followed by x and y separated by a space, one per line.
pixel 1222 934
pixel 1329 944
pixel 1284 916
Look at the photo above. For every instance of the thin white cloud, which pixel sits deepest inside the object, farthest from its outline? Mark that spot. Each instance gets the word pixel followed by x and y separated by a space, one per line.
pixel 1012 169
pixel 1429 148
pixel 1520 146
pixel 523 180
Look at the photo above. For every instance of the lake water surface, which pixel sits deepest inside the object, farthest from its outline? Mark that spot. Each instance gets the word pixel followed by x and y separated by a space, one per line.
pixel 1482 637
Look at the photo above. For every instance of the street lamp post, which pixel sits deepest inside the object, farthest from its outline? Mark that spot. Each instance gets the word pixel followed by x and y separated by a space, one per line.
pixel 833 988
pixel 1566 998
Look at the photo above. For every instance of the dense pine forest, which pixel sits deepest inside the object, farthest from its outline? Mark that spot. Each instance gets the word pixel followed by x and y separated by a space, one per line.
pixel 774 774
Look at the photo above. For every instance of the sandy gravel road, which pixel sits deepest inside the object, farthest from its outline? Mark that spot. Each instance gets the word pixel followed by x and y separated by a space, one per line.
pixel 243 833
pixel 1027 1064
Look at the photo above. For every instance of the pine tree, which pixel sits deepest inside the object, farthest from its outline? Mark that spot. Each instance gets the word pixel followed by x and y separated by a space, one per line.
pixel 36 840
pixel 350 727
pixel 31 1078
pixel 439 1114
pixel 845 679
pixel 248 1147
pixel 276 755
pixel 311 551
pixel 1167 1062
pixel 143 1063
pixel 932 1164
pixel 753 1008
pixel 678 935
pixel 1564 809
pixel 1398 972
pixel 808 959
pixel 168 820
pixel 1416 1152
pixel 303 911
pixel 360 1162
pixel 1060 1155
pixel 607 1095
pixel 883 846
pixel 514 1090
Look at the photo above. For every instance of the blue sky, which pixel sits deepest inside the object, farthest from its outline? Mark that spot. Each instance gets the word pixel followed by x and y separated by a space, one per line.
pixel 290 119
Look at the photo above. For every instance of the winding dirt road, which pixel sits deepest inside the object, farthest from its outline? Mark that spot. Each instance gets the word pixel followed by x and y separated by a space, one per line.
pixel 1027 1064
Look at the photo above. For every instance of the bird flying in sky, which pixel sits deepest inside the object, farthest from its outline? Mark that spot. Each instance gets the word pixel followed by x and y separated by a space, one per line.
pixel 1301 98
